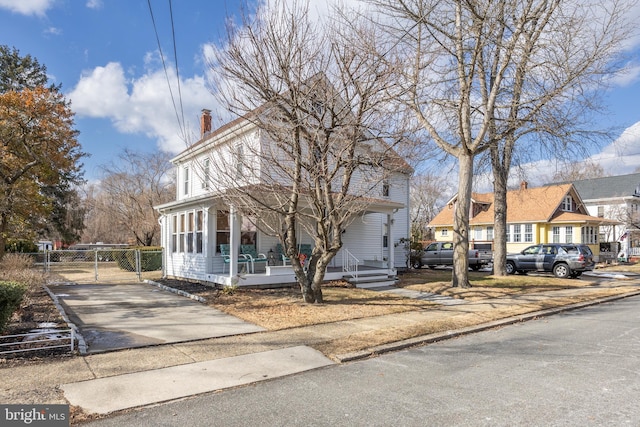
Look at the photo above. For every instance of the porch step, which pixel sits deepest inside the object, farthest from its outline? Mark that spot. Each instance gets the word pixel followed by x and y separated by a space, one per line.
pixel 370 280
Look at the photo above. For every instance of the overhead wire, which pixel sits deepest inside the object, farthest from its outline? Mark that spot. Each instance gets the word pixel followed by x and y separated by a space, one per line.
pixel 166 73
pixel 175 55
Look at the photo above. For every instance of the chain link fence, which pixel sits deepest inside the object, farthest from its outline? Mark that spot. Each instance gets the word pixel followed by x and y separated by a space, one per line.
pixel 102 265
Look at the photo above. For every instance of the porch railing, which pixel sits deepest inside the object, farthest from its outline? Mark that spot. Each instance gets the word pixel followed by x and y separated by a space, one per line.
pixel 350 263
pixel 634 251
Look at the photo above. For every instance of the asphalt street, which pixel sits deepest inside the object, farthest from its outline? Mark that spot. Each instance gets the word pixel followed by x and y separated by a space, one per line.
pixel 579 368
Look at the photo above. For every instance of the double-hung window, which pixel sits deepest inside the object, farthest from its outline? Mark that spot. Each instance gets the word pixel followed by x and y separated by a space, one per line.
pixel 517 236
pixel 528 233
pixel 568 234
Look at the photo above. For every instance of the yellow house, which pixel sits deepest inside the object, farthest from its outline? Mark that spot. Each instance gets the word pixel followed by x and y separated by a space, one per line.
pixel 549 214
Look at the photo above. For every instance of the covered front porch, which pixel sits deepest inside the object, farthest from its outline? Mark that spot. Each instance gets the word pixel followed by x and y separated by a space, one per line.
pixel 363 276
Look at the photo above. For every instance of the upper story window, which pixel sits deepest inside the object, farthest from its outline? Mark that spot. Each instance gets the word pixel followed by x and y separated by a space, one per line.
pixel 444 232
pixel 601 211
pixel 567 204
pixel 185 177
pixel 239 161
pixel 205 174
pixel 385 189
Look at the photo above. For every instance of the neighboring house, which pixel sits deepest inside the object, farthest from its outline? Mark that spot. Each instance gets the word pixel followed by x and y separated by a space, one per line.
pixel 199 226
pixel 616 198
pixel 549 214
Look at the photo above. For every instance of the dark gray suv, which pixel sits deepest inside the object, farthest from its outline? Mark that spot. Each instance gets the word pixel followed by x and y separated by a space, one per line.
pixel 563 259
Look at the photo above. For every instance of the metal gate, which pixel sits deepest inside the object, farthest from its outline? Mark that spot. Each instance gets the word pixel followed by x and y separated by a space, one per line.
pixel 104 265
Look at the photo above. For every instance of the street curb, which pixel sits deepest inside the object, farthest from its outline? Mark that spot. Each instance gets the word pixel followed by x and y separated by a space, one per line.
pixel 441 336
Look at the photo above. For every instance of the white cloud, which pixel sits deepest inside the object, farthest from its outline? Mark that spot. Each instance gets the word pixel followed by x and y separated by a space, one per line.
pixel 94 4
pixel 27 7
pixel 629 75
pixel 143 105
pixel 623 155
pixel 53 31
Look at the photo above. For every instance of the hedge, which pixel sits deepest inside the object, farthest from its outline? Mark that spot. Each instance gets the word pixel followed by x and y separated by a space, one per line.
pixel 11 294
pixel 150 259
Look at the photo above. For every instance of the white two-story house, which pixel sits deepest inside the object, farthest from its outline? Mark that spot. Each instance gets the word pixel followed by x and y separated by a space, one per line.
pixel 616 198
pixel 205 228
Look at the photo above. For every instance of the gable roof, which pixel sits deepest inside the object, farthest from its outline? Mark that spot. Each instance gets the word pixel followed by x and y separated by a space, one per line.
pixel 609 187
pixel 540 204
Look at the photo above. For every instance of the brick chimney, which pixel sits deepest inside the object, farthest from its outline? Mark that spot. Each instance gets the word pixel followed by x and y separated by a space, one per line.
pixel 205 122
pixel 524 185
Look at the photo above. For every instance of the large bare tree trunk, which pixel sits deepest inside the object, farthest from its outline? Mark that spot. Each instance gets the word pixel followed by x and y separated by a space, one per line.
pixel 500 214
pixel 460 275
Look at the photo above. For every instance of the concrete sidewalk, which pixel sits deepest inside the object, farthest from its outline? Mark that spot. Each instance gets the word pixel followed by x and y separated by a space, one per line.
pixel 152 374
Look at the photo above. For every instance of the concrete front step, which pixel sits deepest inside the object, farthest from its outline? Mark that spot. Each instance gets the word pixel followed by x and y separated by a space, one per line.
pixel 370 280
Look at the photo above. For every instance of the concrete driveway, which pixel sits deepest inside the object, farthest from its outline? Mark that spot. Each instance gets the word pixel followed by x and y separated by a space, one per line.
pixel 121 316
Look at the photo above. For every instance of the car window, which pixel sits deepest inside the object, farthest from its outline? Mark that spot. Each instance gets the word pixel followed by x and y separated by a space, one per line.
pixel 571 250
pixel 549 250
pixel 432 247
pixel 586 250
pixel 531 250
pixel 447 246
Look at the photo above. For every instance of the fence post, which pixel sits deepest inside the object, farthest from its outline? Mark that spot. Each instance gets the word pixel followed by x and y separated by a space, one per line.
pixel 73 339
pixel 95 262
pixel 138 265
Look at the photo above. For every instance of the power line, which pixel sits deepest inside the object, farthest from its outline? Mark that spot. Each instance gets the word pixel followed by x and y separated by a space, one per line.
pixel 166 74
pixel 175 55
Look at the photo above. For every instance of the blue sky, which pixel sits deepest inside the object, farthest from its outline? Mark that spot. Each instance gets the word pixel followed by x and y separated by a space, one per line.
pixel 105 54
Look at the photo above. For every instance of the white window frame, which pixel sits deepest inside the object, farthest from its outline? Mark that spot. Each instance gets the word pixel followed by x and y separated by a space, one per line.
pixel 199 230
pixel 528 233
pixel 174 233
pixel 205 173
pixel 517 233
pixel 444 232
pixel 555 234
pixel 477 233
pixel 489 233
pixel 185 179
pixel 567 203
pixel 568 234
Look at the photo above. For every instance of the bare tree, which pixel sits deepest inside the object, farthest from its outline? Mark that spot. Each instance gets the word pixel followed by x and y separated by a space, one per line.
pixel 318 101
pixel 426 199
pixel 127 194
pixel 577 171
pixel 485 74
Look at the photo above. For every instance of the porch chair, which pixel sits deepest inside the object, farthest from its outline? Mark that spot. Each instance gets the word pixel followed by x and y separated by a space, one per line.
pixel 225 251
pixel 253 255
pixel 281 254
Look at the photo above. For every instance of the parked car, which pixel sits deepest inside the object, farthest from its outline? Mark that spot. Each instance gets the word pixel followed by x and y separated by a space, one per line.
pixel 562 259
pixel 441 253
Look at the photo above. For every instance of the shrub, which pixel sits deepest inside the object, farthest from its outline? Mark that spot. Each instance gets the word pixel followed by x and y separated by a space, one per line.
pixel 11 294
pixel 150 259
pixel 21 246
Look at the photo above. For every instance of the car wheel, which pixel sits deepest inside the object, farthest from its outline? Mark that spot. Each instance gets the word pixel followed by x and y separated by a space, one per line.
pixel 561 271
pixel 510 267
pixel 475 267
pixel 417 264
pixel 432 266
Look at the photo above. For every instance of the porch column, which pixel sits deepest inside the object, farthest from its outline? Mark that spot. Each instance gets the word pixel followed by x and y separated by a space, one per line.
pixel 234 240
pixel 392 255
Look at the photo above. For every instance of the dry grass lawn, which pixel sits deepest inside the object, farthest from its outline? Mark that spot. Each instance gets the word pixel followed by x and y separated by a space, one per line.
pixel 276 309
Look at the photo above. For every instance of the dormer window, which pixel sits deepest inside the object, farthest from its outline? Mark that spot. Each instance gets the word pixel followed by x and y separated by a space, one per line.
pixel 567 204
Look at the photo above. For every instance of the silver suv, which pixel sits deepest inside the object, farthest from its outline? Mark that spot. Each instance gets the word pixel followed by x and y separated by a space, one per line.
pixel 563 259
